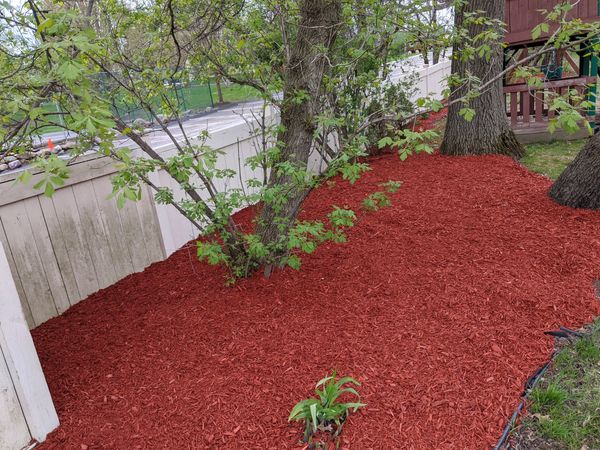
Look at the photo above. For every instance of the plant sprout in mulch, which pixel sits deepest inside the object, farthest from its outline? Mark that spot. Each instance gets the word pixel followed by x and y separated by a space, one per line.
pixel 564 408
pixel 326 414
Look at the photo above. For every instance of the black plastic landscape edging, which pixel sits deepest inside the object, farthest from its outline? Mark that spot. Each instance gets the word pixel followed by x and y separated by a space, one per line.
pixel 532 382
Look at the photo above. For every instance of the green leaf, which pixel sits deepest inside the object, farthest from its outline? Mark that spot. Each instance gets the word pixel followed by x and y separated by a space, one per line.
pixel 24 177
pixel 323 381
pixel 294 262
pixel 45 25
pixel 70 70
pixel 49 190
pixel 313 414
pixel 467 113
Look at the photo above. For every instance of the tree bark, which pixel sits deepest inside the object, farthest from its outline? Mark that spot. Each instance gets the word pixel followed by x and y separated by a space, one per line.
pixel 219 90
pixel 579 185
pixel 489 132
pixel 319 22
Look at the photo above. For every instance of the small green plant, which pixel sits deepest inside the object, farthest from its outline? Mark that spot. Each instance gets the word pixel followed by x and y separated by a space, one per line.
pixel 547 398
pixel 326 413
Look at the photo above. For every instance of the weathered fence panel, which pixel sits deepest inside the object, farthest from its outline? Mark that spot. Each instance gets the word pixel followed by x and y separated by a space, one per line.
pixel 62 249
pixel 13 426
pixel 26 409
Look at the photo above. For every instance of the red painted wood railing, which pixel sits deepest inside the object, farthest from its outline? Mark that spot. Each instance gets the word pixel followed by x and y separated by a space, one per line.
pixel 526 105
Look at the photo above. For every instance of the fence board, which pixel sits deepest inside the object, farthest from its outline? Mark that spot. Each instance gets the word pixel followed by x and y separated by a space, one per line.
pixel 72 229
pixel 150 228
pixel 13 427
pixel 60 245
pixel 132 229
pixel 47 255
pixel 94 234
pixel 16 277
pixel 539 106
pixel 22 245
pixel 112 223
pixel 513 108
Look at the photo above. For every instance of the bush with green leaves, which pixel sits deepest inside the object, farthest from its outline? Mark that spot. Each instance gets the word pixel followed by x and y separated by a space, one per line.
pixel 89 58
pixel 326 413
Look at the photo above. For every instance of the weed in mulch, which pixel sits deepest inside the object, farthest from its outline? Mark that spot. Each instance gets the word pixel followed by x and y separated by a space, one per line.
pixel 324 416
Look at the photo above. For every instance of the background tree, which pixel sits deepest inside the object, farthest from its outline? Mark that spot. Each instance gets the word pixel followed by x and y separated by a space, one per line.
pixel 486 129
pixel 329 86
pixel 428 28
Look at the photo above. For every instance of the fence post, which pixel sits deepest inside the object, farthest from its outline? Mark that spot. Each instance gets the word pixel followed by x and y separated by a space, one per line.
pixel 18 354
pixel 212 103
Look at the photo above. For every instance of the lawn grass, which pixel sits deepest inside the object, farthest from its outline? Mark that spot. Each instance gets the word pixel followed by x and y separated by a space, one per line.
pixel 550 159
pixel 236 93
pixel 565 406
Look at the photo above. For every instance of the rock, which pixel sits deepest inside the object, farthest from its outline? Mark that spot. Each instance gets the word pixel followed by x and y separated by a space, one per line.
pixel 163 118
pixel 25 156
pixel 14 164
pixel 43 152
pixel 69 144
pixel 8 159
pixel 3 167
pixel 58 148
pixel 209 109
pixel 141 123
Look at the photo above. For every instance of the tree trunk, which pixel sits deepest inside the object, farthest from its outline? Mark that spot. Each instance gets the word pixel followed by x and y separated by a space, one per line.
pixel 436 56
pixel 319 21
pixel 579 185
pixel 489 132
pixel 219 90
pixel 435 49
pixel 425 53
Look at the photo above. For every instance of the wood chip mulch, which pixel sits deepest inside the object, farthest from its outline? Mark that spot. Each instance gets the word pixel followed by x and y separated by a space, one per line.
pixel 437 305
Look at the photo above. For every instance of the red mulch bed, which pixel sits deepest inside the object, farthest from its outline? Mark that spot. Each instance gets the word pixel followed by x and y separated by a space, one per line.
pixel 437 305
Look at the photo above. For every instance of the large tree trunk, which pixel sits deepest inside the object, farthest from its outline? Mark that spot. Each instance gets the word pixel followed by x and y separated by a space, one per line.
pixel 319 21
pixel 579 185
pixel 489 131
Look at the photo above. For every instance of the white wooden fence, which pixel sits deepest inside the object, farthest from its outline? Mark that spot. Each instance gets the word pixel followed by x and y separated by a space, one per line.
pixel 429 80
pixel 26 409
pixel 62 249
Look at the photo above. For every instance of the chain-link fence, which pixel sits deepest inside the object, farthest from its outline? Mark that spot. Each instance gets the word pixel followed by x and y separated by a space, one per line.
pixel 187 98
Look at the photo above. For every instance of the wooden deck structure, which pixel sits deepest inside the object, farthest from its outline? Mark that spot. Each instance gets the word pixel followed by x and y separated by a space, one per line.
pixel 574 71
pixel 521 16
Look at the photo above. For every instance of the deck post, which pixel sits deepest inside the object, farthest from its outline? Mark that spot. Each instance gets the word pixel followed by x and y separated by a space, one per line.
pixel 591 70
pixel 26 407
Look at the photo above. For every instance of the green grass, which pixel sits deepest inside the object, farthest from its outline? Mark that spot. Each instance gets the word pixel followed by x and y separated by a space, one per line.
pixel 196 97
pixel 565 406
pixel 550 159
pixel 235 93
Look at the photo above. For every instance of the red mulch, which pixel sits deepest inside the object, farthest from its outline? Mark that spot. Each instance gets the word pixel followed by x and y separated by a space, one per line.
pixel 436 304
